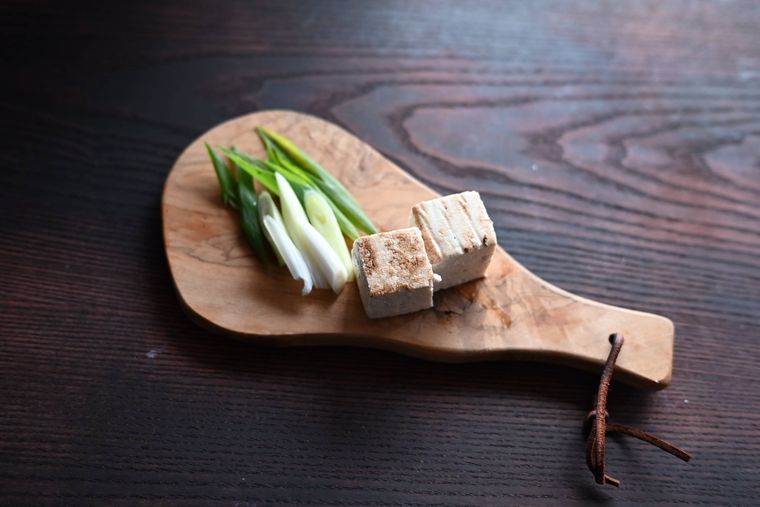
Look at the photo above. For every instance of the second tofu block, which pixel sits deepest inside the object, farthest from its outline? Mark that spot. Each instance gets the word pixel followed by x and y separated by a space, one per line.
pixel 393 273
pixel 458 235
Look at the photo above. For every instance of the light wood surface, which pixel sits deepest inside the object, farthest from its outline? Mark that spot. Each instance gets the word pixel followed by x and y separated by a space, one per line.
pixel 510 313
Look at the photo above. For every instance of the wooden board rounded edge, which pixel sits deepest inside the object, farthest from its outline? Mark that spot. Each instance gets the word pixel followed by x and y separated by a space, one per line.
pixel 511 313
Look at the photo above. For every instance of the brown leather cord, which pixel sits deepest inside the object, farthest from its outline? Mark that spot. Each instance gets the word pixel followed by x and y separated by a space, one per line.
pixel 598 427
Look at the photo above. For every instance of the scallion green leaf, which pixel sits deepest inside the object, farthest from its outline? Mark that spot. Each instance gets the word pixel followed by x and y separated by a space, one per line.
pixel 249 217
pixel 302 181
pixel 227 182
pixel 251 166
pixel 329 184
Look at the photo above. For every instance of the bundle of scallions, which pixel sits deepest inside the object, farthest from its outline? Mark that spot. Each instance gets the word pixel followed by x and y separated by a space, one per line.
pixel 317 211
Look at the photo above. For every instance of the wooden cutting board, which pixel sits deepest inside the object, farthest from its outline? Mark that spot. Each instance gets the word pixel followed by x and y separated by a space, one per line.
pixel 510 314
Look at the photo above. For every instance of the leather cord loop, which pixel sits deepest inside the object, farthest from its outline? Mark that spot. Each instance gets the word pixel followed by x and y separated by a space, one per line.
pixel 596 428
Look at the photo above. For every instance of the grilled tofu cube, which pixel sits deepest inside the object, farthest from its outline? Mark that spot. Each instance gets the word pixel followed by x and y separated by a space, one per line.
pixel 459 237
pixel 393 273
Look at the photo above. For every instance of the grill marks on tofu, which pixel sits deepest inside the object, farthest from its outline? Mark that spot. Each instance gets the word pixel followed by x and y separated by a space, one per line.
pixel 458 235
pixel 452 225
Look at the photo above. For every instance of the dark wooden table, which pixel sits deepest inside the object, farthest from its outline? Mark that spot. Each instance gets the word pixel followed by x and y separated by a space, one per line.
pixel 617 146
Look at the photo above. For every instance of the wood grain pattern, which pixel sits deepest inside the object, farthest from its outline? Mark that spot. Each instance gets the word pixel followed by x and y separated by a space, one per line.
pixel 510 314
pixel 615 145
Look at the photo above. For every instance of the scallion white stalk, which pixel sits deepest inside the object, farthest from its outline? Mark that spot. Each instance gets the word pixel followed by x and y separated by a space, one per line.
pixel 290 254
pixel 267 207
pixel 325 258
pixel 323 219
pixel 323 262
pixel 293 216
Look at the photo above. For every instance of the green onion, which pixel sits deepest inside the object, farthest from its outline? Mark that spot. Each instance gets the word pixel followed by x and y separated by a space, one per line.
pixel 326 260
pixel 324 264
pixel 300 179
pixel 276 156
pixel 292 257
pixel 330 185
pixel 249 216
pixel 297 178
pixel 273 152
pixel 251 166
pixel 268 207
pixel 296 174
pixel 312 247
pixel 227 182
pixel 263 171
pixel 346 225
pixel 240 195
pixel 293 216
pixel 323 219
